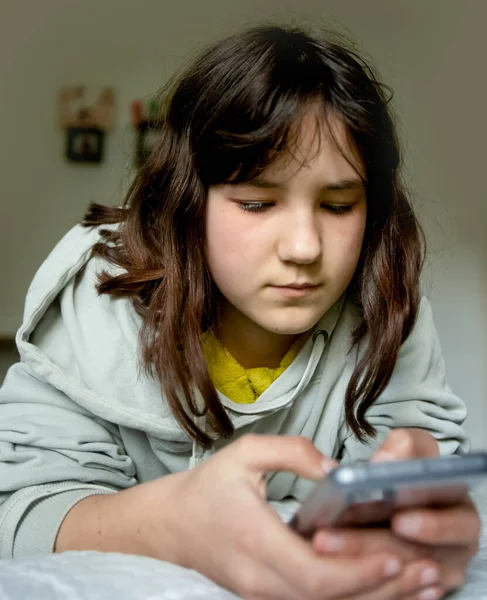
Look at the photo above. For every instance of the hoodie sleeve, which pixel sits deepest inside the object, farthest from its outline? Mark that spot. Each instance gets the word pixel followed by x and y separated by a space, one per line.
pixel 417 396
pixel 53 453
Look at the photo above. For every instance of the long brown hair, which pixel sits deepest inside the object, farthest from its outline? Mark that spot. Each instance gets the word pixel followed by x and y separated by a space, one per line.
pixel 230 115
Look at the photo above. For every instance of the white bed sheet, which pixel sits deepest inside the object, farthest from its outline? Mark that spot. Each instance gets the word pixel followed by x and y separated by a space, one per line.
pixel 101 576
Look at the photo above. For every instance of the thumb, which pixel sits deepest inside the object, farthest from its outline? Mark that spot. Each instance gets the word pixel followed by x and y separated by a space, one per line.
pixel 407 444
pixel 294 454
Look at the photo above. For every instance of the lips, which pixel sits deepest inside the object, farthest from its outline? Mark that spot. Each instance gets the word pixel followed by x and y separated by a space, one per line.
pixel 297 286
pixel 296 290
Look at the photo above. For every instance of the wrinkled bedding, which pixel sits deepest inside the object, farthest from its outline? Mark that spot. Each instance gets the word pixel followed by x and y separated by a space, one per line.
pixel 99 576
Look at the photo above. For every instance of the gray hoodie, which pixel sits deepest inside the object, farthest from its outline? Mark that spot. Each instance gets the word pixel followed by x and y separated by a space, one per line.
pixel 78 417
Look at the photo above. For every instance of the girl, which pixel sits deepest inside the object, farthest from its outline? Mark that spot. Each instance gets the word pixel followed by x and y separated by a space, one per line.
pixel 261 282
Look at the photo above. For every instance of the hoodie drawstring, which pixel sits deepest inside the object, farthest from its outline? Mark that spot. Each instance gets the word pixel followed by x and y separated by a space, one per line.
pixel 197 453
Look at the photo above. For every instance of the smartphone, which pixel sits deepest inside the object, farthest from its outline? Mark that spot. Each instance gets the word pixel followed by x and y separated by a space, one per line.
pixel 368 494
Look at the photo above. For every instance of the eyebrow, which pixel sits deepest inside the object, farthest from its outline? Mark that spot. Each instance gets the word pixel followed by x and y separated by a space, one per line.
pixel 344 184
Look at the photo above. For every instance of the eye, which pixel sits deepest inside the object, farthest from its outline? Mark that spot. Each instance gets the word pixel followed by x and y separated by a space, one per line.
pixel 254 206
pixel 337 209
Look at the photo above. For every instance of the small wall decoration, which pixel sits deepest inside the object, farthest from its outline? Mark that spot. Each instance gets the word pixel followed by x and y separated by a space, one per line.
pixel 85 126
pixel 146 119
pixel 84 144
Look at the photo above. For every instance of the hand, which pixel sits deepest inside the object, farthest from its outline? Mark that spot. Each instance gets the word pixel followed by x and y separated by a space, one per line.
pixel 448 536
pixel 215 519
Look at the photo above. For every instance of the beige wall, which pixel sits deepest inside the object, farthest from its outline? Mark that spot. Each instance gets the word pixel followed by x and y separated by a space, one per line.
pixel 431 51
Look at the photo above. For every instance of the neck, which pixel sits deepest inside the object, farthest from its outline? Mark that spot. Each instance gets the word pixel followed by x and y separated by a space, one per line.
pixel 251 345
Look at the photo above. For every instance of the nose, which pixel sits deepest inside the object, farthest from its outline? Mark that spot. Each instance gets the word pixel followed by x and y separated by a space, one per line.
pixel 300 241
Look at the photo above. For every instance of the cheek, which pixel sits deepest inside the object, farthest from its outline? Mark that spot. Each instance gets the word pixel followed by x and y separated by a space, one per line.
pixel 225 245
pixel 234 239
pixel 347 242
pixel 356 229
pixel 356 236
pixel 220 231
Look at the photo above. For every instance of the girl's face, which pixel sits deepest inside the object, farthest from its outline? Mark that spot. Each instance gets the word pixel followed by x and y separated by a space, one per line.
pixel 283 248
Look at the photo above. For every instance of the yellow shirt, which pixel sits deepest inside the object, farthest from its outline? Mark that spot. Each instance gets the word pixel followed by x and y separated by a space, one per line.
pixel 243 386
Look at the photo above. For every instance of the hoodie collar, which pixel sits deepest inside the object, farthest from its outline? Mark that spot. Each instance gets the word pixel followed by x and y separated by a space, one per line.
pixel 277 396
pixel 284 390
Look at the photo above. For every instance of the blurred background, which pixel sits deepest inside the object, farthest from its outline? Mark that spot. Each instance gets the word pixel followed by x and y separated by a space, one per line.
pixel 432 52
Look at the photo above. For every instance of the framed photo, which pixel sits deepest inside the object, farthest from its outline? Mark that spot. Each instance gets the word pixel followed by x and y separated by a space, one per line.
pixel 84 144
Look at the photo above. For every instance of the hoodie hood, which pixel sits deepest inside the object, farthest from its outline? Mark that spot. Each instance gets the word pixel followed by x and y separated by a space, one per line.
pixel 86 345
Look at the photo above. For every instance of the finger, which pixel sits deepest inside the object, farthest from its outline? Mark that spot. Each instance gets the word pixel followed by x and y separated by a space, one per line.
pixel 431 593
pixel 453 560
pixel 458 525
pixel 266 585
pixel 344 577
pixel 414 579
pixel 295 454
pixel 356 542
pixel 404 444
pixel 292 558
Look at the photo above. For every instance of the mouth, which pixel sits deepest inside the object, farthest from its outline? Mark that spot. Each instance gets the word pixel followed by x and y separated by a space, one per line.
pixel 298 286
pixel 296 290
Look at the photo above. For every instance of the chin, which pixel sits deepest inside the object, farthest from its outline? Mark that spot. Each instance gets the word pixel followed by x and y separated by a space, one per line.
pixel 293 321
pixel 291 326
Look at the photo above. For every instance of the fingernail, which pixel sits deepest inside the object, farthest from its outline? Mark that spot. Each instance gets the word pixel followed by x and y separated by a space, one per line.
pixel 408 524
pixel 430 594
pixel 330 542
pixel 392 567
pixel 429 576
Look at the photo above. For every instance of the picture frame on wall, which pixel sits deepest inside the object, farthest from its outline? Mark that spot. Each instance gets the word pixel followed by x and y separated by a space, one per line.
pixel 84 144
